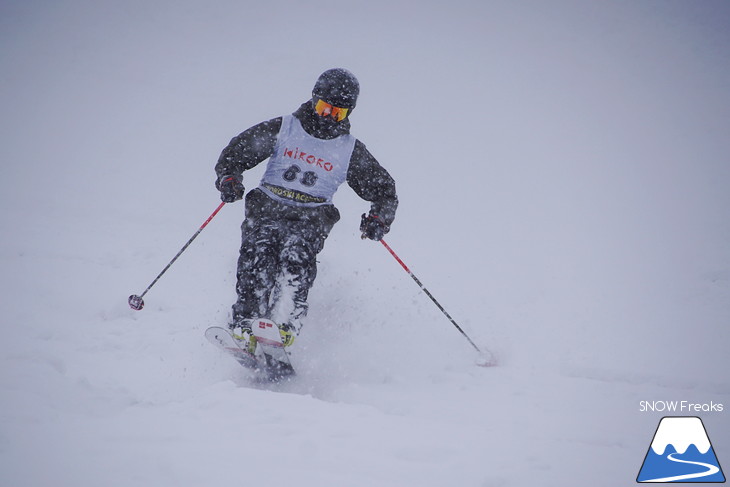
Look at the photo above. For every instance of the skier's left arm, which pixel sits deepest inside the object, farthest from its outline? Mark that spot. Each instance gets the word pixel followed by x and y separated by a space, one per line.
pixel 371 182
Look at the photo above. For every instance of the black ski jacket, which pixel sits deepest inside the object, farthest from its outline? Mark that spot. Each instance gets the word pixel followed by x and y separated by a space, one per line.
pixel 365 175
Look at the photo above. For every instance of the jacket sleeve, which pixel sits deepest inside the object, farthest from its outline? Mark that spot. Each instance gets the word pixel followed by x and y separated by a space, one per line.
pixel 372 183
pixel 248 149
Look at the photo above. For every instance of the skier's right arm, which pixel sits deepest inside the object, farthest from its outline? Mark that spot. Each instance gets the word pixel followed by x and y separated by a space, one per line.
pixel 245 151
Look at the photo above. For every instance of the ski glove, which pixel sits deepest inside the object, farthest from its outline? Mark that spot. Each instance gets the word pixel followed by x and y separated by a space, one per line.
pixel 373 227
pixel 231 188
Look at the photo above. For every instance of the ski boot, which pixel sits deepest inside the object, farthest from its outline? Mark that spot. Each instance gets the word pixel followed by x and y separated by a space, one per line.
pixel 288 334
pixel 241 331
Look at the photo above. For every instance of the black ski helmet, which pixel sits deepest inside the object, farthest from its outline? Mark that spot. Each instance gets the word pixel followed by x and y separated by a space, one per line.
pixel 338 87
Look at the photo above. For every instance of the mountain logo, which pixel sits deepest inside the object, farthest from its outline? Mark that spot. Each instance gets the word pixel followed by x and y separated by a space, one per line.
pixel 681 452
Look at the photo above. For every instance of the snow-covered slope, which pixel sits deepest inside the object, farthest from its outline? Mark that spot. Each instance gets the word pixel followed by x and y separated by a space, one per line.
pixel 563 175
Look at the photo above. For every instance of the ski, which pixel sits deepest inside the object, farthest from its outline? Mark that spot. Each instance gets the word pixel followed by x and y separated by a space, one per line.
pixel 271 361
pixel 222 338
pixel 268 340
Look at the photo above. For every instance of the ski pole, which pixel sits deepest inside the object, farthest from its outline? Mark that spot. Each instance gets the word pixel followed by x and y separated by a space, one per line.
pixel 485 359
pixel 136 302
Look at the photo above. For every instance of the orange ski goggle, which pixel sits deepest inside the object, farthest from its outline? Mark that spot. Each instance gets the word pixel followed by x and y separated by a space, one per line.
pixel 325 109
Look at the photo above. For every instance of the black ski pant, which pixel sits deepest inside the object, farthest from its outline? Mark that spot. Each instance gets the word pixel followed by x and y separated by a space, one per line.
pixel 277 264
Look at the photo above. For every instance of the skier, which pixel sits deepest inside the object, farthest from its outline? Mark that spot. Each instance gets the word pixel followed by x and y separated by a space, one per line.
pixel 290 214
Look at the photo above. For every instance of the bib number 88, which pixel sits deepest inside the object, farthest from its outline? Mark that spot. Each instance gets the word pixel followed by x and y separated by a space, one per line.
pixel 307 178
